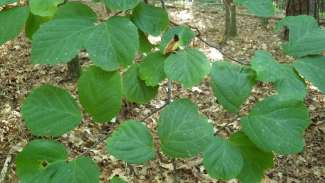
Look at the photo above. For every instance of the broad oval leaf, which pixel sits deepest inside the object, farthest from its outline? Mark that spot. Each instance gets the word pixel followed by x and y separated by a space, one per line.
pixel 80 170
pixel 44 8
pixel 305 36
pixel 50 111
pixel 37 155
pixel 183 132
pixel 291 86
pixel 132 142
pixel 60 40
pixel 184 33
pixel 256 161
pixel 312 69
pixel 150 19
pixel 135 89
pixel 266 67
pixel 287 82
pixel 261 8
pixel 12 22
pixel 100 93
pixel 151 69
pixel 70 10
pixel 222 159
pixel 46 161
pixel 276 124
pixel 121 5
pixel 75 10
pixel 231 84
pixel 113 43
pixel 188 66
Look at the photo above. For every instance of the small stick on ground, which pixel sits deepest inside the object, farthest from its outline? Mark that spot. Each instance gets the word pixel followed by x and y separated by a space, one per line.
pixel 176 180
pixel 5 168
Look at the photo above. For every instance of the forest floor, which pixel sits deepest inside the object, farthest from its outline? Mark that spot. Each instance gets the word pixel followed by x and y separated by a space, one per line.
pixel 18 76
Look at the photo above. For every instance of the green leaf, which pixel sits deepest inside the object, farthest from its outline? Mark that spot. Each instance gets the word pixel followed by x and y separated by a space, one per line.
pixel 113 43
pixel 36 156
pixel 312 69
pixel 132 142
pixel 44 8
pixel 100 93
pixel 266 67
pixel 33 24
pixel 261 8
pixel 305 36
pixel 150 19
pixel 80 170
pixel 50 111
pixel 121 5
pixel 287 82
pixel 12 22
pixel 151 69
pixel 222 160
pixel 5 2
pixel 45 161
pixel 110 44
pixel 60 40
pixel 117 179
pixel 135 89
pixel 145 46
pixel 291 86
pixel 278 125
pixel 69 10
pixel 256 161
pixel 184 33
pixel 183 132
pixel 188 66
pixel 231 84
pixel 72 10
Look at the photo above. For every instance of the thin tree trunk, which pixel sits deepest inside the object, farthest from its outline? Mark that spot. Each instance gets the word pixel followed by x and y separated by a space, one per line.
pixel 230 19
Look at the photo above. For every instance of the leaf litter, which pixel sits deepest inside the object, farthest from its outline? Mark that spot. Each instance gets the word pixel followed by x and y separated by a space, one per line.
pixel 18 77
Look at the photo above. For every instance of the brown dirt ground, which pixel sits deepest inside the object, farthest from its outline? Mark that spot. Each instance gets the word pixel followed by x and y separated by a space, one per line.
pixel 18 77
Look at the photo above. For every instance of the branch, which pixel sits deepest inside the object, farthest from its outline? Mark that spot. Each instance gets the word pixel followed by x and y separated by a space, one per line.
pixel 218 47
pixel 162 2
pixel 170 83
pixel 5 168
pixel 101 140
pixel 154 111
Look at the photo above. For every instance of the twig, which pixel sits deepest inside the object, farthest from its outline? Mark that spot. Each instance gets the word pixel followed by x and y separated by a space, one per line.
pixel 154 111
pixel 169 99
pixel 5 168
pixel 162 2
pixel 218 47
pixel 175 171
pixel 117 13
pixel 101 140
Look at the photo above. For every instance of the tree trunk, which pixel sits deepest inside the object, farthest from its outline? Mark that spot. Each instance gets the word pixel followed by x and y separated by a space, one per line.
pixel 230 19
pixel 303 7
